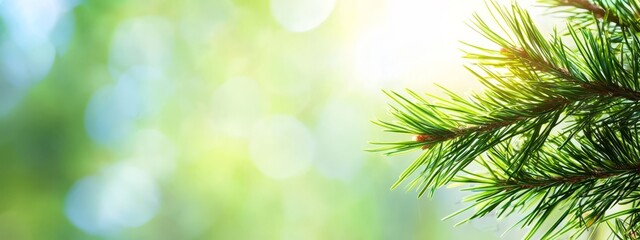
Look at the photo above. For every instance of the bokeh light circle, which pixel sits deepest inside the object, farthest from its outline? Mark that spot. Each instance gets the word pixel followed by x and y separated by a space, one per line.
pixel 110 114
pixel 120 197
pixel 236 105
pixel 23 67
pixel 31 21
pixel 154 152
pixel 31 32
pixel 201 20
pixel 113 111
pixel 341 120
pixel 301 15
pixel 281 147
pixel 63 32
pixel 144 41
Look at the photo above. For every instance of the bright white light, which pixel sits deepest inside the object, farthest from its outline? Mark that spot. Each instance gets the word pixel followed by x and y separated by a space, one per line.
pixel 301 15
pixel 341 139
pixel 119 197
pixel 413 40
pixel 281 147
pixel 144 41
pixel 236 106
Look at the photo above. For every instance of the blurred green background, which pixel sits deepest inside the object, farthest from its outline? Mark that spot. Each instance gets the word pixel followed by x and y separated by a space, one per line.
pixel 220 119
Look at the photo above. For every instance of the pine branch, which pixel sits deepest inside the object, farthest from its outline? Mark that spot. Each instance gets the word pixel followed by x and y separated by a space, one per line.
pixel 532 85
pixel 521 101
pixel 596 10
pixel 620 13
pixel 571 179
pixel 597 87
pixel 580 183
pixel 597 58
pixel 489 117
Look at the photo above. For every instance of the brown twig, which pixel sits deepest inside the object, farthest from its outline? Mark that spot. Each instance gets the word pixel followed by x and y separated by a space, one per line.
pixel 594 87
pixel 593 175
pixel 597 11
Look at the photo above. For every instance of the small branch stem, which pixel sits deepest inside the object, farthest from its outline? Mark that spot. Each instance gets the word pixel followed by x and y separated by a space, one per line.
pixel 597 11
pixel 596 174
pixel 594 87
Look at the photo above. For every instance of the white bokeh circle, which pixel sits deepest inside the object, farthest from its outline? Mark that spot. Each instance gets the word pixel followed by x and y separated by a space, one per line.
pixel 119 197
pixel 301 15
pixel 144 41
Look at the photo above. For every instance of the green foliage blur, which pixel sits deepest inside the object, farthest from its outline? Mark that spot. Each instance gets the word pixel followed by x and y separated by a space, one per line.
pixel 213 119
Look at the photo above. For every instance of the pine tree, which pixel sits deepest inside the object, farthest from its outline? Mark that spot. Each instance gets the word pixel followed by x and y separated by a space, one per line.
pixel 554 135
